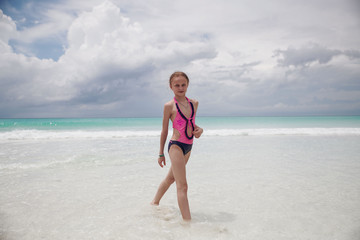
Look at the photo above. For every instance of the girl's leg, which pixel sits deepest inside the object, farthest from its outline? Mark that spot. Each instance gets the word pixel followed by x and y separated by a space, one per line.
pixel 178 162
pixel 166 183
pixel 164 186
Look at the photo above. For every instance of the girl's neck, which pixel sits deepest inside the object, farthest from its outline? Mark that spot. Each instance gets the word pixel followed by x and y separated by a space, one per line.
pixel 180 99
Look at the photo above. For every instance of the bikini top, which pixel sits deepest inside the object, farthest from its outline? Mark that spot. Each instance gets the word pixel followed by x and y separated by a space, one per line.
pixel 181 123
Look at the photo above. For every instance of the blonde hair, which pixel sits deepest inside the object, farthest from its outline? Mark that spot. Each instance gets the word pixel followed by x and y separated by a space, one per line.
pixel 178 74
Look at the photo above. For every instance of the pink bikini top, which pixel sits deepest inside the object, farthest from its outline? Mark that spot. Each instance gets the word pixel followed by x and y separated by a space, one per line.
pixel 181 123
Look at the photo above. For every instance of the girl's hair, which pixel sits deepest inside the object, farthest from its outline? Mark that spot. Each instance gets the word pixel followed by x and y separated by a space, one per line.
pixel 178 74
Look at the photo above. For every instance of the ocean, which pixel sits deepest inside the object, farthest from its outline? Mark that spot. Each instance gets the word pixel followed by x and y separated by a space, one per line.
pixel 249 178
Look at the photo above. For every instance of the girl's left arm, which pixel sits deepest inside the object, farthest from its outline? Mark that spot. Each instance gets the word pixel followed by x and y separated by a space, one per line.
pixel 198 130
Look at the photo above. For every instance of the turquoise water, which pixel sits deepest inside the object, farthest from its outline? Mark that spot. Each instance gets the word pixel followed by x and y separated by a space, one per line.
pixel 155 123
pixel 280 122
pixel 78 123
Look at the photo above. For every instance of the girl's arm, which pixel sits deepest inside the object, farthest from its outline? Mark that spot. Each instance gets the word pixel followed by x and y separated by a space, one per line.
pixel 164 134
pixel 198 130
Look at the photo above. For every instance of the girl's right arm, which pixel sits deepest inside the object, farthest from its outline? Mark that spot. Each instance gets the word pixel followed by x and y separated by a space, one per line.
pixel 164 134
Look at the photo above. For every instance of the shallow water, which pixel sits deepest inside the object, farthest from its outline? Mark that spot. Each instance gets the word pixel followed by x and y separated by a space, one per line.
pixel 267 186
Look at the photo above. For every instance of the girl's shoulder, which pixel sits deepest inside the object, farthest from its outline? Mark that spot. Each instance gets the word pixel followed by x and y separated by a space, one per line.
pixel 169 103
pixel 194 101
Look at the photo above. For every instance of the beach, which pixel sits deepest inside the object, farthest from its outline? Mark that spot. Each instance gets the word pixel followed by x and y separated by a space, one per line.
pixel 249 178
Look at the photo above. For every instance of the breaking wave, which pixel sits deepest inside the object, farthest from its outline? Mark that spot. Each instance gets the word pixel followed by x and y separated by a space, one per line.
pixel 48 134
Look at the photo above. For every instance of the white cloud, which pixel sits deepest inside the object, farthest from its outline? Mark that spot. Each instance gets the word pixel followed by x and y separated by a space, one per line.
pixel 7 30
pixel 243 58
pixel 56 25
pixel 106 53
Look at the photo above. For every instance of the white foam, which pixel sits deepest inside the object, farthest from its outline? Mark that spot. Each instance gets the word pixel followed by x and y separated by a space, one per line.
pixel 43 135
pixel 284 131
pixel 81 134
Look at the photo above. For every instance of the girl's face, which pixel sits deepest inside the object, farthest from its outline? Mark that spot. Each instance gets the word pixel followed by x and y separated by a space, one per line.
pixel 179 86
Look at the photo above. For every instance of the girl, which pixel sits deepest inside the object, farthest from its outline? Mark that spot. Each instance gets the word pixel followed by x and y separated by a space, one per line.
pixel 181 111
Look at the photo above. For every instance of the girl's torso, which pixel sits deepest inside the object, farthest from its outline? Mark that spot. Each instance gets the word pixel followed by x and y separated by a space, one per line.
pixel 183 119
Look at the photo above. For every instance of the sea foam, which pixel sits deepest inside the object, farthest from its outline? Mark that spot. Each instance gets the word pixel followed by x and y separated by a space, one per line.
pixel 91 134
pixel 284 131
pixel 80 134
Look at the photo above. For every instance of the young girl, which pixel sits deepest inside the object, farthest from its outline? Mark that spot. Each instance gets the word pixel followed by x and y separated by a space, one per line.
pixel 181 111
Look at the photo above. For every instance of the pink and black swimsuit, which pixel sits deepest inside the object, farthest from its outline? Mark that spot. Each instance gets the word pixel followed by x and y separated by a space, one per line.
pixel 181 123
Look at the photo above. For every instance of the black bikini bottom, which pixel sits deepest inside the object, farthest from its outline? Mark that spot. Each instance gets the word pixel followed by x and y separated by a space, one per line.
pixel 184 146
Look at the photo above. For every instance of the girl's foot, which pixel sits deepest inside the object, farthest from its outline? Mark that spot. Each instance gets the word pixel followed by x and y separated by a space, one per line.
pixel 154 203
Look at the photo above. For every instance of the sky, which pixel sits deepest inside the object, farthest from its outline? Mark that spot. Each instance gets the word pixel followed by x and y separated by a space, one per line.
pixel 113 58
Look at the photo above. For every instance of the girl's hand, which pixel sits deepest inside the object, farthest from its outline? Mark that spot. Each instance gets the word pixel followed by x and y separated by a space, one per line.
pixel 161 161
pixel 197 132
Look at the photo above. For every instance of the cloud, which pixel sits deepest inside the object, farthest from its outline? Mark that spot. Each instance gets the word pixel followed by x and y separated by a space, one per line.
pixel 110 52
pixel 310 80
pixel 113 58
pixel 7 29
pixel 352 54
pixel 306 55
pixel 109 61
pixel 318 78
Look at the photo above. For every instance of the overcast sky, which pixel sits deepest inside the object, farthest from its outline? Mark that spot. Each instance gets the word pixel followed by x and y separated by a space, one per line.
pixel 113 58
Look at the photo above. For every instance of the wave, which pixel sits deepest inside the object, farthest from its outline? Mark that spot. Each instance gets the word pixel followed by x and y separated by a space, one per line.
pixel 42 134
pixel 285 131
pixel 82 134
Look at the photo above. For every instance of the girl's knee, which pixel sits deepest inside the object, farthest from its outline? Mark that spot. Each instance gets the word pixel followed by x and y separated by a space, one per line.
pixel 182 187
pixel 169 180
